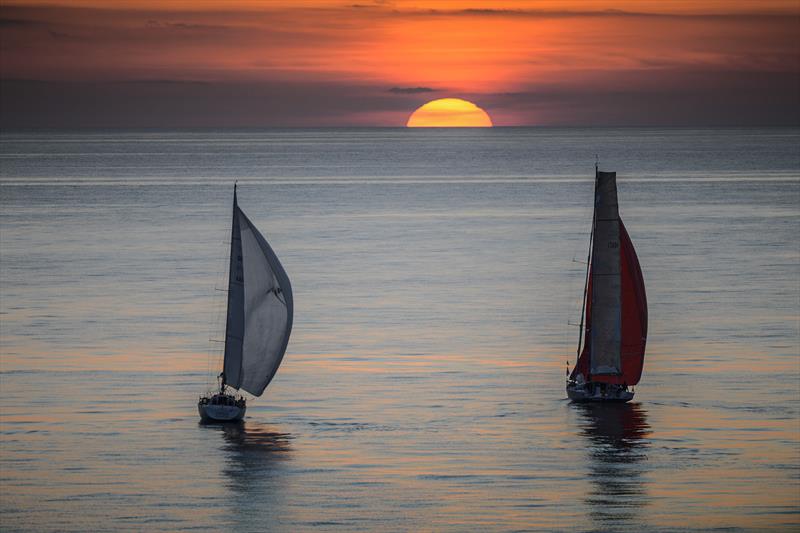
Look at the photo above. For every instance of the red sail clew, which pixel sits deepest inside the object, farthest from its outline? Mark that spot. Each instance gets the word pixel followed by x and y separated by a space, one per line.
pixel 634 320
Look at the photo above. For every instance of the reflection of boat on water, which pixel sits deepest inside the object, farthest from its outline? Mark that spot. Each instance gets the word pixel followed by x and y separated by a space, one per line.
pixel 619 425
pixel 251 438
pixel 615 307
pixel 247 444
pixel 256 468
pixel 258 324
pixel 616 441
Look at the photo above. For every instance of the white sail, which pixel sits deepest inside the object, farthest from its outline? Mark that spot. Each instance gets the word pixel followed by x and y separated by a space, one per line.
pixel 260 309
pixel 606 295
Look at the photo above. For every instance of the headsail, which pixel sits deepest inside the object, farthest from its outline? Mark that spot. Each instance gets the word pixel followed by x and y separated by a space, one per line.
pixel 260 309
pixel 616 311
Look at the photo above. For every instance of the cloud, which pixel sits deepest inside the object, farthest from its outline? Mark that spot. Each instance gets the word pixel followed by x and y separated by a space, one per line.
pixel 165 103
pixel 412 90
pixel 600 13
pixel 61 36
pixel 6 22
pixel 336 65
pixel 151 23
pixel 632 98
pixel 670 97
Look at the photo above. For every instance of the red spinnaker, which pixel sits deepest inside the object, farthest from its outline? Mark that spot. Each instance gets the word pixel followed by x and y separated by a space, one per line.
pixel 634 320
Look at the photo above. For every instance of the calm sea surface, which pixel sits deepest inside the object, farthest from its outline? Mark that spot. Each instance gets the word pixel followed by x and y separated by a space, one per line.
pixel 436 274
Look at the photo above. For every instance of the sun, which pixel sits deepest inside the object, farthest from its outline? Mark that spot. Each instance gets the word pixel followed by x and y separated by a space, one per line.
pixel 449 113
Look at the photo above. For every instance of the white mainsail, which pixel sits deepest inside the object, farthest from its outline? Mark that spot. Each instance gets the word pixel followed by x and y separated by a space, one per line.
pixel 260 309
pixel 606 329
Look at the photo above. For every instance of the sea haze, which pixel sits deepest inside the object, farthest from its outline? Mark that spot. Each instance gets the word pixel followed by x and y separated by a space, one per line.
pixel 437 278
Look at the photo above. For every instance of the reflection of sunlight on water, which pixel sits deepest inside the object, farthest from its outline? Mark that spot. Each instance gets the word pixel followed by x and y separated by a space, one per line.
pixel 415 395
pixel 616 438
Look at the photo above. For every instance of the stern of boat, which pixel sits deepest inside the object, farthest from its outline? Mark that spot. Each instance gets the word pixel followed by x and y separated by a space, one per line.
pixel 221 408
pixel 580 393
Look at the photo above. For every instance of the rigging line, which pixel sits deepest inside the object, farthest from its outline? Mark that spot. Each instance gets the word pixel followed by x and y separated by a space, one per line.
pixel 588 262
pixel 278 295
pixel 217 305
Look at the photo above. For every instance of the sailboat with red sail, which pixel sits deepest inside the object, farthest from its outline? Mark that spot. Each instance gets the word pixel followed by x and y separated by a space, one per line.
pixel 613 329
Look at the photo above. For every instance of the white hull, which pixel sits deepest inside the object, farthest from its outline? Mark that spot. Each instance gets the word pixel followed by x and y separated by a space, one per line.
pixel 587 393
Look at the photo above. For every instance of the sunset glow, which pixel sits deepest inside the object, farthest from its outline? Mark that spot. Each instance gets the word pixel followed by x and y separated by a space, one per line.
pixel 449 113
pixel 338 63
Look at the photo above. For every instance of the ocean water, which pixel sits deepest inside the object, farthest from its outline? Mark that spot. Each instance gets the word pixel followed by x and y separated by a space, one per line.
pixel 437 277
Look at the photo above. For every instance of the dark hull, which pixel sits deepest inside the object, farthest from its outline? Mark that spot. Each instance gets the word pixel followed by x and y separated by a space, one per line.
pixel 582 395
pixel 221 408
pixel 219 413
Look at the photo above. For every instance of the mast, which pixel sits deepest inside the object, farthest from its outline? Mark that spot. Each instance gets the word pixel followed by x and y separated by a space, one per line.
pixel 231 276
pixel 588 264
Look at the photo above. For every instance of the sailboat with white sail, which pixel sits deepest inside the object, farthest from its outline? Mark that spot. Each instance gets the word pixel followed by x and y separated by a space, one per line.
pixel 258 324
pixel 612 345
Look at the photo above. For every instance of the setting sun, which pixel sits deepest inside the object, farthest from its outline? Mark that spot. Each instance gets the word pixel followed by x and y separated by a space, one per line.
pixel 449 113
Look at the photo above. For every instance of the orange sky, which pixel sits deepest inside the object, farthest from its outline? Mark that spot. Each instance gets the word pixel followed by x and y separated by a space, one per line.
pixel 314 62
